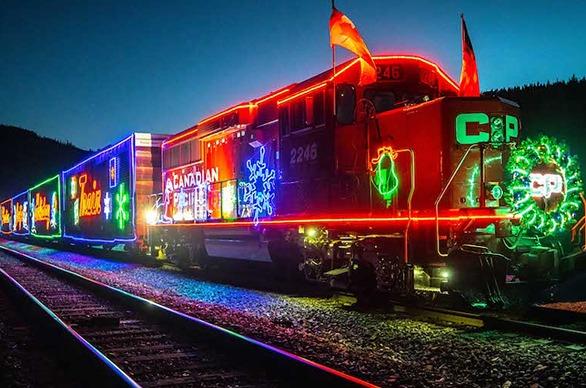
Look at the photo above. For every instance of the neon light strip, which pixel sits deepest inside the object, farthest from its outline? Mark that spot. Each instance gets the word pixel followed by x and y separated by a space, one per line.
pixel 439 70
pixel 318 86
pixel 58 234
pixel 409 57
pixel 241 106
pixel 302 93
pixel 132 156
pixel 98 154
pixel 352 220
pixel 253 103
pixel 192 131
pixel 271 96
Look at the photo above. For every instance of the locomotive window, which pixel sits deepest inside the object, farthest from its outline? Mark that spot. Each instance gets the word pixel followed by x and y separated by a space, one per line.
pixel 174 156
pixel 318 109
pixel 195 150
pixel 284 120
pixel 345 103
pixel 298 115
pixel 185 154
pixel 383 100
pixel 309 111
pixel 166 159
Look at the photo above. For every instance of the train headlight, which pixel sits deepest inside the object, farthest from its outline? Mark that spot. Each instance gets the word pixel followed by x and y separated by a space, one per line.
pixel 311 232
pixel 151 216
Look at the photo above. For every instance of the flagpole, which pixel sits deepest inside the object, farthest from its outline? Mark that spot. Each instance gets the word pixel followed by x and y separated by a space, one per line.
pixel 334 70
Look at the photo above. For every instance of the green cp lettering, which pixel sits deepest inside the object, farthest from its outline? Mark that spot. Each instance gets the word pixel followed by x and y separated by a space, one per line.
pixel 485 131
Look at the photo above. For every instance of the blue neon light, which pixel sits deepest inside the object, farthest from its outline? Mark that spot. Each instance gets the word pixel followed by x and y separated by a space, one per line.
pixel 102 228
pixel 259 192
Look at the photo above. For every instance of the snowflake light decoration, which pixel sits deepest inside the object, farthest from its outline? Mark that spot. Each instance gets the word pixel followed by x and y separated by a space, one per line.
pixel 545 185
pixel 259 191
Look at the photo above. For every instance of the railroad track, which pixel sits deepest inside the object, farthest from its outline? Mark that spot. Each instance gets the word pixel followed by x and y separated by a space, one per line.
pixel 540 322
pixel 125 340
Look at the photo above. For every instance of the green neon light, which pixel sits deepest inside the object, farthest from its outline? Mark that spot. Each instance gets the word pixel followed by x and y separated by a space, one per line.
pixel 58 213
pixel 122 215
pixel 472 182
pixel 497 192
pixel 385 178
pixel 532 193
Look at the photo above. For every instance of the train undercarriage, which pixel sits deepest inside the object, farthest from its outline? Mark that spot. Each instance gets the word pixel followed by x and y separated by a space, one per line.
pixel 479 266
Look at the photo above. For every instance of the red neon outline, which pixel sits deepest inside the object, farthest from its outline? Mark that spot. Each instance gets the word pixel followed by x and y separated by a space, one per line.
pixel 350 220
pixel 251 104
pixel 439 70
pixel 270 96
pixel 255 103
pixel 248 105
pixel 301 93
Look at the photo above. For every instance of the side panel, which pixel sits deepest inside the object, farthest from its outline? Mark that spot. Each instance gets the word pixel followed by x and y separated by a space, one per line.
pixel 98 196
pixel 45 208
pixel 21 214
pixel 6 212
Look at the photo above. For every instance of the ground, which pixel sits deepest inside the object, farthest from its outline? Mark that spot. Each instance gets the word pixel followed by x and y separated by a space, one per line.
pixel 385 348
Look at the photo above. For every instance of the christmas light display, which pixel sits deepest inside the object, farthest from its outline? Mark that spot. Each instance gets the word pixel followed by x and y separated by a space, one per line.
pixel 122 203
pixel 545 183
pixel 472 183
pixel 20 212
pixel 99 196
pixel 113 172
pixel 259 190
pixel 385 174
pixel 107 205
pixel 6 213
pixel 45 208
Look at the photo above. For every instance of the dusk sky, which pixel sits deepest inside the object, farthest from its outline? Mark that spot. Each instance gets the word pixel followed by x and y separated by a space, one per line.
pixel 92 72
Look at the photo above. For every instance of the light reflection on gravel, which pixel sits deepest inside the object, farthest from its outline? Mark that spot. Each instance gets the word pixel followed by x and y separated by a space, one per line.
pixel 384 348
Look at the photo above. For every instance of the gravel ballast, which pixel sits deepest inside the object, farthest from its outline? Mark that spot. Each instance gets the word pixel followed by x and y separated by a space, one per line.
pixel 385 348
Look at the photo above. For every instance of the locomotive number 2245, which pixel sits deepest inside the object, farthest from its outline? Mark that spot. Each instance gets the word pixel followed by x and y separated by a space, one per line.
pixel 303 154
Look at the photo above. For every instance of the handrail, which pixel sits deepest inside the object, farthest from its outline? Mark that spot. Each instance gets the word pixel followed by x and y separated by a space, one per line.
pixel 441 195
pixel 409 203
pixel 580 225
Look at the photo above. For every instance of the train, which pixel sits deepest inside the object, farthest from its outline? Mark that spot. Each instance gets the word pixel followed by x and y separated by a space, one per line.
pixel 392 187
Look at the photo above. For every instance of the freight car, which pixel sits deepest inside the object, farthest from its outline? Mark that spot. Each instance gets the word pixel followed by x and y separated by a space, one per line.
pixel 100 202
pixel 390 186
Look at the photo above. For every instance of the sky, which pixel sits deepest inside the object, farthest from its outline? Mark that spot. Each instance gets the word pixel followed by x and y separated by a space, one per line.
pixel 91 72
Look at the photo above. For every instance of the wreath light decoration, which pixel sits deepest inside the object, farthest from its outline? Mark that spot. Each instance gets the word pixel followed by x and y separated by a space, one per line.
pixel 544 186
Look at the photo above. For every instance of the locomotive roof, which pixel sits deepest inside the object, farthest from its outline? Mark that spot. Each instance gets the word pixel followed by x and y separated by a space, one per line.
pixel 291 91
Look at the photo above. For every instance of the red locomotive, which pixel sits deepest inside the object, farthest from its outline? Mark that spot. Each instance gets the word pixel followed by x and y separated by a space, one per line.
pixel 393 185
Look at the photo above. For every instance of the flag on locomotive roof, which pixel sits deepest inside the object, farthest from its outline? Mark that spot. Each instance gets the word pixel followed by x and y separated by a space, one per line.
pixel 469 85
pixel 345 34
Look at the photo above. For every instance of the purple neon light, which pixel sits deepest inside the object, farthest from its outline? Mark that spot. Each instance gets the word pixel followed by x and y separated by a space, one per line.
pixel 133 181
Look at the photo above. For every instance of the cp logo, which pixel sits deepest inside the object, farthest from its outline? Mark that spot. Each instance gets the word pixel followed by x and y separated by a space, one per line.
pixel 544 185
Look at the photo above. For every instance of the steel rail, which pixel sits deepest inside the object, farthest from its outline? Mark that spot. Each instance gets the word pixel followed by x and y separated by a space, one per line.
pixel 106 371
pixel 493 322
pixel 295 367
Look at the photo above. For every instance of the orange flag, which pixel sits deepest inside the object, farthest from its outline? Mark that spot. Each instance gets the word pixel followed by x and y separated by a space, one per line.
pixel 469 84
pixel 345 34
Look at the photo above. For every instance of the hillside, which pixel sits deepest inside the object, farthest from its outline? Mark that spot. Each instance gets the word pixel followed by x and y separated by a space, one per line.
pixel 557 109
pixel 27 159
